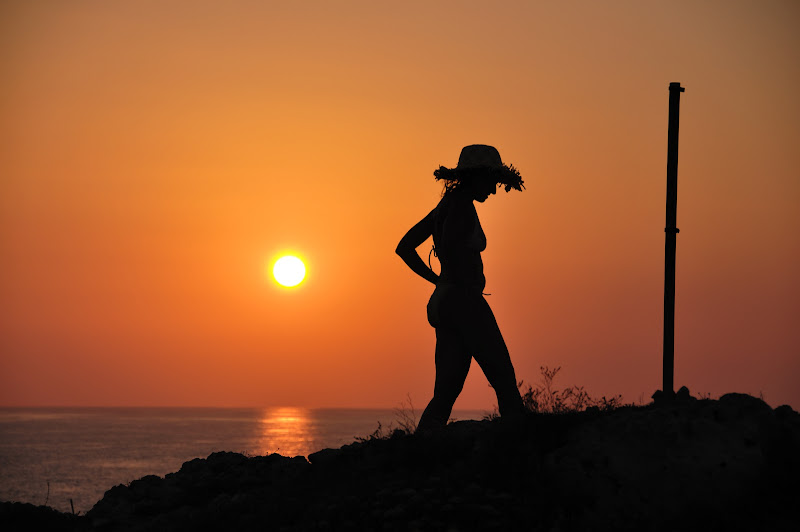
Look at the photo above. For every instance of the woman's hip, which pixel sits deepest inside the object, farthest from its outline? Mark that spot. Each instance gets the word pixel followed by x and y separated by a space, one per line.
pixel 454 306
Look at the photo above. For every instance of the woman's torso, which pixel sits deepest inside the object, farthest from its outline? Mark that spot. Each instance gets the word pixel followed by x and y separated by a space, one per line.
pixel 459 240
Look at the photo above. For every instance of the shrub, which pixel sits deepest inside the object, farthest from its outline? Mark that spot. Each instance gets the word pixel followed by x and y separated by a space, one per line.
pixel 405 423
pixel 545 398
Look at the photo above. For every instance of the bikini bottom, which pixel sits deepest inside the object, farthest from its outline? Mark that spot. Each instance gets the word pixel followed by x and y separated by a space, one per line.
pixel 451 305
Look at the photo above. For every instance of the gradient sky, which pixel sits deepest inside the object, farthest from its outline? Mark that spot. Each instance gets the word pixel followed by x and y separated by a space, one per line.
pixel 156 157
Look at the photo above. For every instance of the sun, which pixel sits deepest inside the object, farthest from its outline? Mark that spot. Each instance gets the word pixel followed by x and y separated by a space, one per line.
pixel 289 271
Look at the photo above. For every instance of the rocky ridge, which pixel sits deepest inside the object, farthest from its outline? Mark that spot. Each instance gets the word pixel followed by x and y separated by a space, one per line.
pixel 727 464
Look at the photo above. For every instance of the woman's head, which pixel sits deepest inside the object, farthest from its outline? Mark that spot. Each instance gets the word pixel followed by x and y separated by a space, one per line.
pixel 480 170
pixel 478 184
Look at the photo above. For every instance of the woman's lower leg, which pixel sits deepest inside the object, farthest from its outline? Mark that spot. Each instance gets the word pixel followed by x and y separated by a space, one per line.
pixel 452 367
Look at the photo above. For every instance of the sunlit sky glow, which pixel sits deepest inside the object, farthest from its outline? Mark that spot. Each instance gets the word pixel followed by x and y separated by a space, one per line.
pixel 155 156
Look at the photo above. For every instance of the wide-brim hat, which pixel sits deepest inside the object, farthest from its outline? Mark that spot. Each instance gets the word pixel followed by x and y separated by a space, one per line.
pixel 480 159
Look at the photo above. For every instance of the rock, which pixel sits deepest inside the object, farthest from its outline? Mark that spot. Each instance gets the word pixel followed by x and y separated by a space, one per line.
pixel 785 412
pixel 683 395
pixel 743 403
pixel 325 456
pixel 17 516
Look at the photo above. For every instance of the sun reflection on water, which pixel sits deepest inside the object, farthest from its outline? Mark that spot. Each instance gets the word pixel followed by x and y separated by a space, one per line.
pixel 287 430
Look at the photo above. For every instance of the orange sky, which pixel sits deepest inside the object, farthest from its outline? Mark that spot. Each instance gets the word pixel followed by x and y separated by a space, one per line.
pixel 155 157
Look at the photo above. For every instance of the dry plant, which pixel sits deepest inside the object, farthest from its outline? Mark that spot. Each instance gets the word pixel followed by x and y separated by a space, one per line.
pixel 545 398
pixel 405 423
pixel 406 416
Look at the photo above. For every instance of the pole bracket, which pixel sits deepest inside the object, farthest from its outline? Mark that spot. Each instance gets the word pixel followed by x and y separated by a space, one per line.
pixel 672 230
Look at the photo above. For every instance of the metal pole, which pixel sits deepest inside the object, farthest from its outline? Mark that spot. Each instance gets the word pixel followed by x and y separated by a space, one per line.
pixel 671 232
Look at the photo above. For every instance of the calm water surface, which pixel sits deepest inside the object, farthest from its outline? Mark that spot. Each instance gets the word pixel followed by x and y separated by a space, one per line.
pixel 82 452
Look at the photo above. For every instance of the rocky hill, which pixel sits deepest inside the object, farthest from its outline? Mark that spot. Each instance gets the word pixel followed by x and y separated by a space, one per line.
pixel 727 464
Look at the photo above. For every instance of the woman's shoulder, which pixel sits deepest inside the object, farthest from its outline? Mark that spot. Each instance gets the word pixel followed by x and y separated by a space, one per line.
pixel 454 204
pixel 456 214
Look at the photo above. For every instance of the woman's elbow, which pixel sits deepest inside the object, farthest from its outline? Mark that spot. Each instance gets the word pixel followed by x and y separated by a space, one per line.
pixel 405 248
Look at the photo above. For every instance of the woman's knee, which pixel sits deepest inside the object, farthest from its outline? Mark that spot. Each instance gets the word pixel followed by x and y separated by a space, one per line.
pixel 447 392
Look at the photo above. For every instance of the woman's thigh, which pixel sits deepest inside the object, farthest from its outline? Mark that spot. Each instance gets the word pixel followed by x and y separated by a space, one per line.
pixel 466 328
pixel 486 344
pixel 452 362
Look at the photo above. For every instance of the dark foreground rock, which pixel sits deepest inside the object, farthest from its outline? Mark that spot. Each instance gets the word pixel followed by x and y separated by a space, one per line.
pixel 731 464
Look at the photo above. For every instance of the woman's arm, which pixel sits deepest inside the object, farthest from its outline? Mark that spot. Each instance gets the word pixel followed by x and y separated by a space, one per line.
pixel 407 248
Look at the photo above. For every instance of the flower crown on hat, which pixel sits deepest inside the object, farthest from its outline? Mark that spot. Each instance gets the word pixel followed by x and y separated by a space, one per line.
pixel 480 160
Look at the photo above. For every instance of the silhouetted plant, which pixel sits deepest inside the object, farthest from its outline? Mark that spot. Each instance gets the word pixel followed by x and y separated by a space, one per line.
pixel 406 416
pixel 378 434
pixel 405 423
pixel 546 398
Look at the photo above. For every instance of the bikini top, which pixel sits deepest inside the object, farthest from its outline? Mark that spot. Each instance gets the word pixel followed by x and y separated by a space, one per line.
pixel 477 240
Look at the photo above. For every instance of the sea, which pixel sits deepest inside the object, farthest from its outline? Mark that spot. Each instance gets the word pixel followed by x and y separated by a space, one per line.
pixel 67 458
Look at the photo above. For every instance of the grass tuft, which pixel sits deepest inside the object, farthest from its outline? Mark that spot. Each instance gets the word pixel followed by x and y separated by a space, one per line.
pixel 545 398
pixel 405 423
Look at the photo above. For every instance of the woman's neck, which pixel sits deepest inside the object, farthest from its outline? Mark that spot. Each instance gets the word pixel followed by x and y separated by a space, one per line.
pixel 463 194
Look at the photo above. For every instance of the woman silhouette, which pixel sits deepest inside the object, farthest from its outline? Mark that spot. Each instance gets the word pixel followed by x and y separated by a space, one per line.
pixel 465 325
